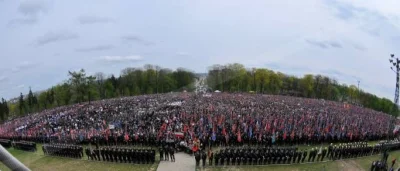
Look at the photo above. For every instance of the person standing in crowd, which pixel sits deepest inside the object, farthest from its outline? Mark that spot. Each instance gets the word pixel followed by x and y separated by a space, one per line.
pixel 319 153
pixel 161 153
pixel 197 158
pixel 324 151
pixel 210 157
pixel 203 157
pixel 166 153
pixel 172 153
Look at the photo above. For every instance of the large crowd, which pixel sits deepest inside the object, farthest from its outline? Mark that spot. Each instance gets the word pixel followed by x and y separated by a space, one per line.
pixel 201 120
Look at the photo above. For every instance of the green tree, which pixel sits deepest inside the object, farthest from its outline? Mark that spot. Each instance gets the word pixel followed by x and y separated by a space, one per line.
pixel 50 97
pixel 78 82
pixel 31 103
pixel 21 104
pixel 307 84
pixel 43 102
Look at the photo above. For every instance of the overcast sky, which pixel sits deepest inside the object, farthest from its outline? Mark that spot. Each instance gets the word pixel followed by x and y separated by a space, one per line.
pixel 348 40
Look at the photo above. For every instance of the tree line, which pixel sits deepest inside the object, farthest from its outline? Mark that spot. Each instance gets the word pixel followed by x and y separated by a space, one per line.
pixel 81 87
pixel 236 78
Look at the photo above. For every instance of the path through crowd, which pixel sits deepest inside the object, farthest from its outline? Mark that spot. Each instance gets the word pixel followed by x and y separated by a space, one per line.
pixel 182 162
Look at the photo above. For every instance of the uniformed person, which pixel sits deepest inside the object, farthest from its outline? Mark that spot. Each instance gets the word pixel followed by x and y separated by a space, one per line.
pixel 210 157
pixel 203 157
pixel 153 158
pixel 134 156
pixel 129 155
pixel 166 154
pixel 304 156
pixel 101 152
pixel 324 151
pixel 216 159
pixel 197 158
pixel 299 156
pixel 172 153
pixel 161 153
pixel 310 155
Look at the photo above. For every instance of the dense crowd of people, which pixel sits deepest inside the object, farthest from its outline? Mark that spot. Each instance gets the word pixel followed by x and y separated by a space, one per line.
pixel 209 120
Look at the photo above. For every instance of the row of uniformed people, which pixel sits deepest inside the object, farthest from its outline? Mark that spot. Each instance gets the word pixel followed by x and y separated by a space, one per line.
pixel 25 145
pixel 63 150
pixel 391 145
pixel 352 150
pixel 287 155
pixel 5 143
pixel 122 155
pixel 166 153
pixel 262 156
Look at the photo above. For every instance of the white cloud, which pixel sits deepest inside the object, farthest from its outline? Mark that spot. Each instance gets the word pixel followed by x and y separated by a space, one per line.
pixel 33 7
pixel 22 66
pixel 51 37
pixel 30 10
pixel 95 48
pixel 94 19
pixel 3 78
pixel 121 59
pixel 182 54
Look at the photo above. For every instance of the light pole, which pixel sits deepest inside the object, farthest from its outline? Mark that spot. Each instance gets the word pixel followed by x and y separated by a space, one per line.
pixel 396 69
pixel 358 92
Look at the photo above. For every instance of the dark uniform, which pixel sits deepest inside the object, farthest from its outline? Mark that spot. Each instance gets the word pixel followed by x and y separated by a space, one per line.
pixel 210 158
pixel 161 154
pixel 197 158
pixel 203 157
pixel 172 154
pixel 216 160
pixel 324 151
pixel 304 156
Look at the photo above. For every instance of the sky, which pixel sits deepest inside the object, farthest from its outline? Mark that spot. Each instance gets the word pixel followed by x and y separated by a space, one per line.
pixel 41 40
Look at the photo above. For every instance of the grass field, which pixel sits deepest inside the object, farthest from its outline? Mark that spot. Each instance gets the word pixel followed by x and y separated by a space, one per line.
pixel 343 165
pixel 37 161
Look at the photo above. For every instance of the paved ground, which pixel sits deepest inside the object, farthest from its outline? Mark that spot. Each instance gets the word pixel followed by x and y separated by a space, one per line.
pixel 183 162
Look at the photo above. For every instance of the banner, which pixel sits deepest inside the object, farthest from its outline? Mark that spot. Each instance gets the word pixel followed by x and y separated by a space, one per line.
pixel 111 126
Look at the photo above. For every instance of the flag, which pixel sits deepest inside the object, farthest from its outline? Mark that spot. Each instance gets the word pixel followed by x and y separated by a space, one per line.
pixel 239 137
pixel 284 135
pixel 273 138
pixel 223 131
pixel 250 131
pixel 214 137
pixel 292 135
pixel 126 137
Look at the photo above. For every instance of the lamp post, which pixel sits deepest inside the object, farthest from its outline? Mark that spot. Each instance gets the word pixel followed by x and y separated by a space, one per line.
pixel 396 69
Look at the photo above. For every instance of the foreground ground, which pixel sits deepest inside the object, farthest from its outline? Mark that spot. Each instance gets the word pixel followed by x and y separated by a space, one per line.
pixel 359 164
pixel 37 161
